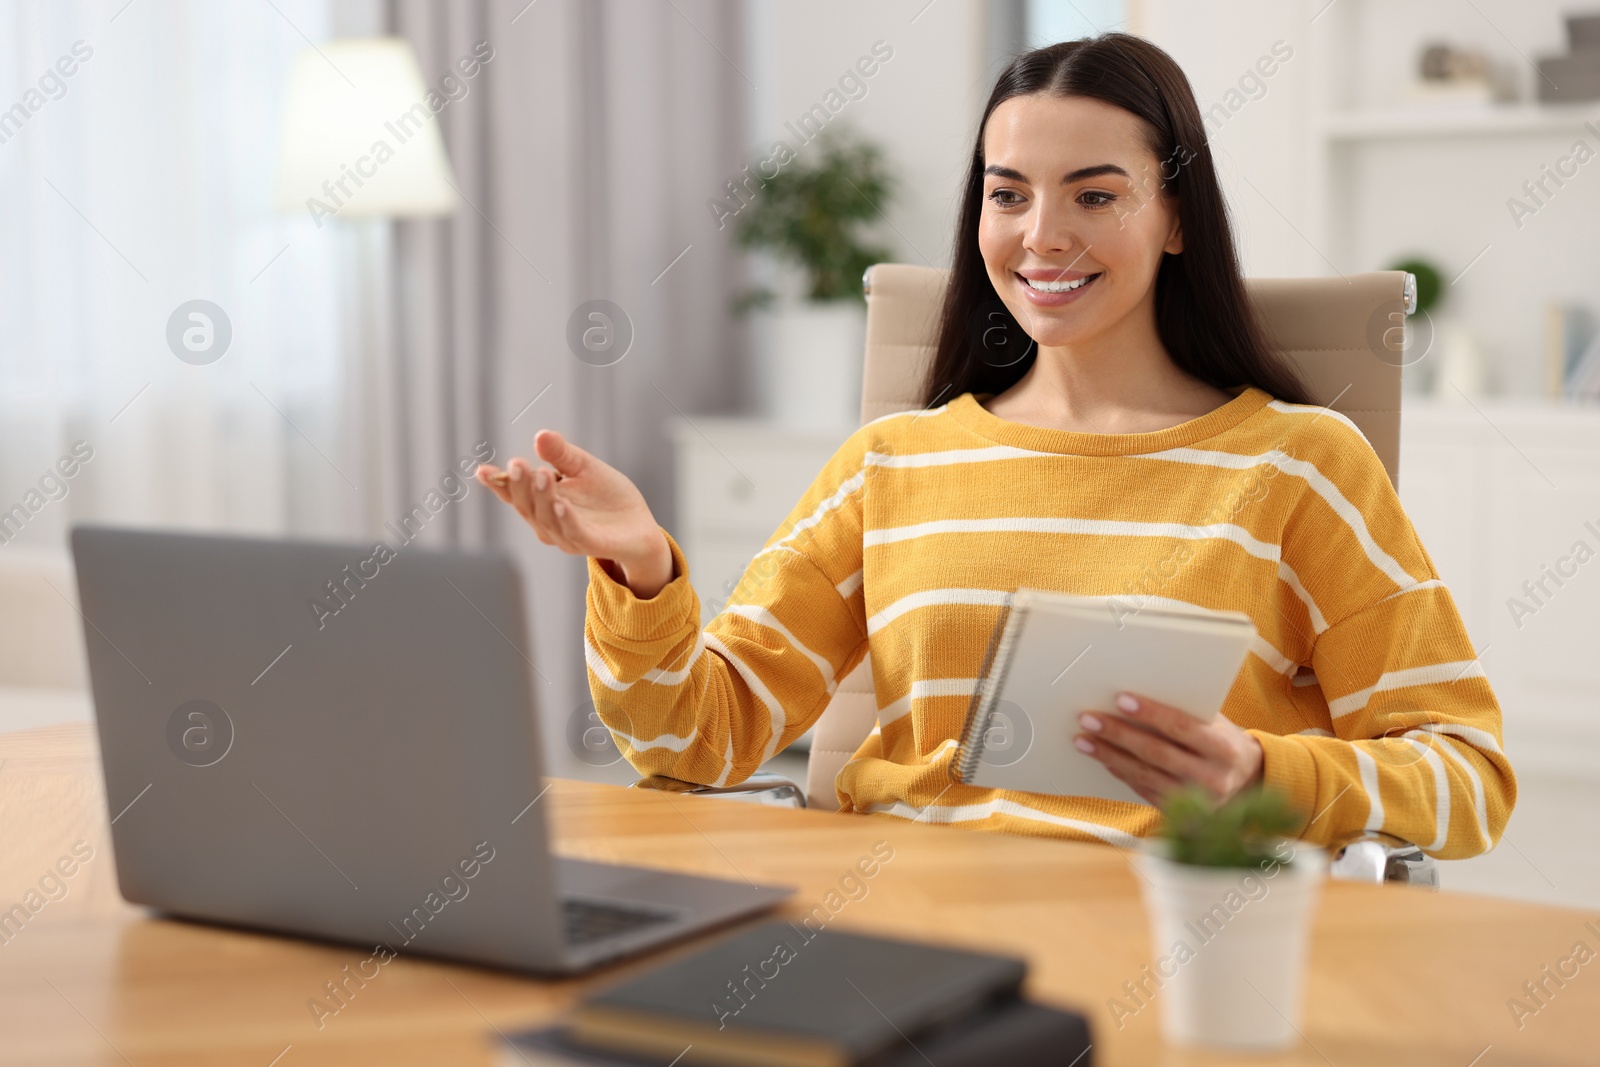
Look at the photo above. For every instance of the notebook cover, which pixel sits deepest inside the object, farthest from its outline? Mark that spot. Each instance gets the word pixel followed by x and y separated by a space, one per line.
pixel 1056 655
pixel 784 984
pixel 1015 1033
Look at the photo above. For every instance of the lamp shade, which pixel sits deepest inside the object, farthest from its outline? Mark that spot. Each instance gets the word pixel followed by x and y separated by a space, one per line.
pixel 359 137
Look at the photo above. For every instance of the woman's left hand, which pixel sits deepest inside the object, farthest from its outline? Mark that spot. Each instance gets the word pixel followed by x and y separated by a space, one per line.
pixel 1170 748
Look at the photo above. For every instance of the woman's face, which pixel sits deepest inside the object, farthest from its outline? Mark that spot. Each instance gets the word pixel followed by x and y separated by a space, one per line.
pixel 1074 222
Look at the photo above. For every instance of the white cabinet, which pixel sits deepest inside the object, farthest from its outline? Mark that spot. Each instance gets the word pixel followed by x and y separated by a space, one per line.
pixel 1503 494
pixel 738 479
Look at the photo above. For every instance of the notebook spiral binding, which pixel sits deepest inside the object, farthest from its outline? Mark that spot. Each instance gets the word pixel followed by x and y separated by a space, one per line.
pixel 996 658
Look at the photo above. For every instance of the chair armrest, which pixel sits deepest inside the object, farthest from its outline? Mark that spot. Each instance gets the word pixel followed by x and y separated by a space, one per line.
pixel 766 788
pixel 1379 858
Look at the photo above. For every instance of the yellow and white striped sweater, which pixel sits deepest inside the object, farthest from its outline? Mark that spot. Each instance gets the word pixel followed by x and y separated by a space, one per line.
pixel 1363 689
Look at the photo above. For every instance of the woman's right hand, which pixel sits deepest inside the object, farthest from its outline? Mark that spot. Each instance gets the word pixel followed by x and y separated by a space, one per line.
pixel 586 507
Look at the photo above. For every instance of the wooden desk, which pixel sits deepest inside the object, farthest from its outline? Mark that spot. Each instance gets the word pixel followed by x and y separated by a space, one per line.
pixel 1398 975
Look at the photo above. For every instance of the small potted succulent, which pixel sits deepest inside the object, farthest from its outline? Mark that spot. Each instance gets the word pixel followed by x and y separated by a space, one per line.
pixel 1230 898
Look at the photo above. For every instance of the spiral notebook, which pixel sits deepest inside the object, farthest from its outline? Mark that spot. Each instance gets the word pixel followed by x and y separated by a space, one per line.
pixel 1054 655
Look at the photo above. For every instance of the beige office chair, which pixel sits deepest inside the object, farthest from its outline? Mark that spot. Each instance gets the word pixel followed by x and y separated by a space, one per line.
pixel 1343 335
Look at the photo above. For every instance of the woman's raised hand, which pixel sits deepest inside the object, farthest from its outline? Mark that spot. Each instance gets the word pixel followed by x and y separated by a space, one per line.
pixel 586 507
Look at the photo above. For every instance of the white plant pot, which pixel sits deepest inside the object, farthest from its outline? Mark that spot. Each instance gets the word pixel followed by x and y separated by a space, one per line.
pixel 1230 946
pixel 1459 369
pixel 810 370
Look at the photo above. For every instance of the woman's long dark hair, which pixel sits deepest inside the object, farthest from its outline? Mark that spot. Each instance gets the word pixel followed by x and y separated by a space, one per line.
pixel 1203 315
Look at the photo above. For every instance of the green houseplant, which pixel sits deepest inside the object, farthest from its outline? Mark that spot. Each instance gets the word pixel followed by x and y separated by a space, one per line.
pixel 1244 831
pixel 1442 354
pixel 816 216
pixel 1430 282
pixel 1229 897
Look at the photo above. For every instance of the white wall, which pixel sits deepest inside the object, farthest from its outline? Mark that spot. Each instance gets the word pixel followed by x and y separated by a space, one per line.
pixel 1262 149
pixel 922 105
pixel 1050 21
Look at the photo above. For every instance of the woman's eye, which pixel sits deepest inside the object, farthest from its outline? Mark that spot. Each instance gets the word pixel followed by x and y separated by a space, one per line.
pixel 1093 199
pixel 1005 197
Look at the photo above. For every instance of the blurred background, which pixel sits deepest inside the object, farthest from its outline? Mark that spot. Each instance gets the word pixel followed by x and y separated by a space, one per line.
pixel 279 266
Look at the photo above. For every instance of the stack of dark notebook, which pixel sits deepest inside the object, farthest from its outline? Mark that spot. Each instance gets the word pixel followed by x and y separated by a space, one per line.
pixel 788 996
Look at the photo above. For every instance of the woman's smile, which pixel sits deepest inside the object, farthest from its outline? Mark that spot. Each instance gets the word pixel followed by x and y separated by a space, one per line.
pixel 1054 288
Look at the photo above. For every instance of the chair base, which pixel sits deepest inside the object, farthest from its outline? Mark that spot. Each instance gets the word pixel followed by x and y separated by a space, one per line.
pixel 773 789
pixel 1380 860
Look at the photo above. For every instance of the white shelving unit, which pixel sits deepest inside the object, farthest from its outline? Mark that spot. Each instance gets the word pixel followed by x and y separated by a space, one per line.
pixel 1391 177
pixel 1332 163
pixel 1462 121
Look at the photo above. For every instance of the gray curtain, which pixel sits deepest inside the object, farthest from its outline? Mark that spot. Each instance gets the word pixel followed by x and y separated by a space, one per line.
pixel 584 152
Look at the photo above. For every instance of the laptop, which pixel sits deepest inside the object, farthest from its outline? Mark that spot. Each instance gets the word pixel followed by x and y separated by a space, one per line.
pixel 342 741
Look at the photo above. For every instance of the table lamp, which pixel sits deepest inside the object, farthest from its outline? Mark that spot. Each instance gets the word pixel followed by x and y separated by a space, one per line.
pixel 361 143
pixel 359 137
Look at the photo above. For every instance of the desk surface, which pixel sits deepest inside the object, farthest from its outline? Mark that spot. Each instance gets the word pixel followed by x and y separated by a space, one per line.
pixel 1398 975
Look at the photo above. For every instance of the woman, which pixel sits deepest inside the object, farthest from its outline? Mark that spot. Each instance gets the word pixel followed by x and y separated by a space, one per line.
pixel 1104 418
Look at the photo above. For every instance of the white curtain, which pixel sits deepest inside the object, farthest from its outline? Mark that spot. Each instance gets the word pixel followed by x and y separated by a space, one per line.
pixel 366 359
pixel 585 155
pixel 140 182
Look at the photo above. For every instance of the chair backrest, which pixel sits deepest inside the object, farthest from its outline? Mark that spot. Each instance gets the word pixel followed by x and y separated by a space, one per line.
pixel 1343 335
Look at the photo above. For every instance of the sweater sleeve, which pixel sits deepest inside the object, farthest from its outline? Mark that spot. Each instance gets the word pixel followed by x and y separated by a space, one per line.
pixel 1414 750
pixel 712 705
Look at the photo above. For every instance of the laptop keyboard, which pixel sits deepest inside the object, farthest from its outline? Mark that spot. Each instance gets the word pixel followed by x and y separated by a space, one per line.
pixel 588 920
